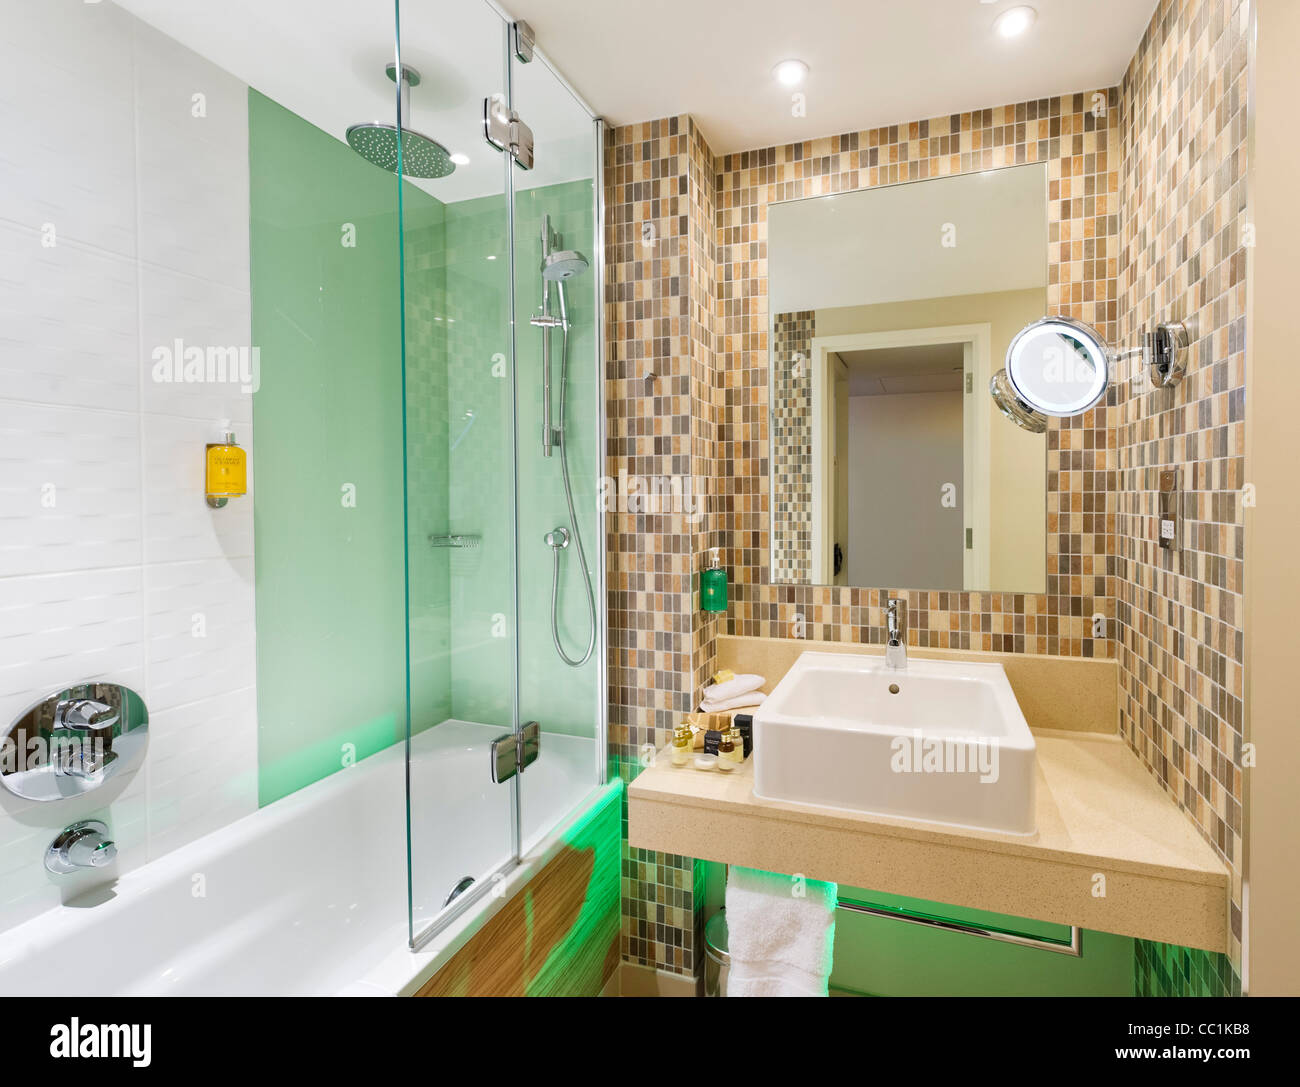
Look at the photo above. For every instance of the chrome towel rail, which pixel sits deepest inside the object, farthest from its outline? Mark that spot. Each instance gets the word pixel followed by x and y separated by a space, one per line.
pixel 1072 946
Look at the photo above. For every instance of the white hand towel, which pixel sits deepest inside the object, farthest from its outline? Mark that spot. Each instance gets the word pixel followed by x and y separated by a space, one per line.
pixel 780 934
pixel 754 698
pixel 720 692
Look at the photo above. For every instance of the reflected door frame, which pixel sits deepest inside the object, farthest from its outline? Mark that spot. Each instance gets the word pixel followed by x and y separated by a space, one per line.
pixel 976 341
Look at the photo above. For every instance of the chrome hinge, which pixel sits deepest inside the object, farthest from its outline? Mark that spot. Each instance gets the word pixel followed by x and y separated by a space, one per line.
pixel 970 383
pixel 523 41
pixel 503 129
pixel 970 539
pixel 514 752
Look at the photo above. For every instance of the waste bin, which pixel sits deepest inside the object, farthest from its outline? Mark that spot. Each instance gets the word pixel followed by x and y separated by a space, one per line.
pixel 717 963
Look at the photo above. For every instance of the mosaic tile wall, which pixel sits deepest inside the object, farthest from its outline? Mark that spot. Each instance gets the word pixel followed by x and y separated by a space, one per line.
pixel 1077 136
pixel 1179 614
pixel 1174 621
pixel 792 335
pixel 660 384
pixel 1170 970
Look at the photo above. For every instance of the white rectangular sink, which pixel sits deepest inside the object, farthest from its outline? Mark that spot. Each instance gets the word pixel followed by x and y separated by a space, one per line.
pixel 942 741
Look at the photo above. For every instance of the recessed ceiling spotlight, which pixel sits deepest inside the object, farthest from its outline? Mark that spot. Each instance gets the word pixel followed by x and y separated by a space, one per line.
pixel 1015 21
pixel 790 72
pixel 460 158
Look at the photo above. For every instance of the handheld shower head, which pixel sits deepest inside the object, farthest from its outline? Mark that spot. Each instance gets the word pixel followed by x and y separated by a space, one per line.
pixel 563 264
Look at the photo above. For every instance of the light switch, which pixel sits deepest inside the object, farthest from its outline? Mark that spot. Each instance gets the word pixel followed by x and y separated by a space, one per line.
pixel 1169 503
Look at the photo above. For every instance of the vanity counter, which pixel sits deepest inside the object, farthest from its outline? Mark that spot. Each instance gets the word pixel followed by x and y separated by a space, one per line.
pixel 1112 852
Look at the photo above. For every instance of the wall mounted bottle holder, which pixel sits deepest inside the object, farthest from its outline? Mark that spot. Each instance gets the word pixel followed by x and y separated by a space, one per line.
pixel 73 741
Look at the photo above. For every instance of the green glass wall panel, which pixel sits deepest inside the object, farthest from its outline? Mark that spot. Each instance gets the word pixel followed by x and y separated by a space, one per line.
pixel 886 957
pixel 562 698
pixel 331 640
pixel 480 457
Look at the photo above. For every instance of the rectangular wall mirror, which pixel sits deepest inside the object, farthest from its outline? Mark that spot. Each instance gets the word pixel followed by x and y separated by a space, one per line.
pixel 891 308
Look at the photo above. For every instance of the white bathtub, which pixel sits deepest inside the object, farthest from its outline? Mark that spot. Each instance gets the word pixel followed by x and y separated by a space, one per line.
pixel 308 896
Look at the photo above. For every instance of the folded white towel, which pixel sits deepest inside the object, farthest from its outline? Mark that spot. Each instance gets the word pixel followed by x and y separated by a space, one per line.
pixel 780 934
pixel 754 698
pixel 737 685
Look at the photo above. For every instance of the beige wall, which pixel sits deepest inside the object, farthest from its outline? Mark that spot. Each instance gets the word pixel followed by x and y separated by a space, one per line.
pixel 1272 937
pixel 1017 459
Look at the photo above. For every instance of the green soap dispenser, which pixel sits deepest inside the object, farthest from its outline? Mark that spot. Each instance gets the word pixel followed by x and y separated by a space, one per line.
pixel 713 583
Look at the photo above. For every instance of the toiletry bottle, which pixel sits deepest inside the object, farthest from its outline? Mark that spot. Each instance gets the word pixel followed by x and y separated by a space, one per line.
pixel 683 745
pixel 737 745
pixel 226 473
pixel 713 583
pixel 726 752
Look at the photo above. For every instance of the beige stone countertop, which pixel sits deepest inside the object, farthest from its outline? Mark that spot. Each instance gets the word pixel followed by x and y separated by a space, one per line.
pixel 1099 814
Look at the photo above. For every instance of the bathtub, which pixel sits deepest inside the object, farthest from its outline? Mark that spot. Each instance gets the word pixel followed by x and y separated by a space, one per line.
pixel 308 896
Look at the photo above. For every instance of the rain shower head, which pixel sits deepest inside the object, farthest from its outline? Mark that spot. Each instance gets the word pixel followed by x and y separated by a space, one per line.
pixel 377 141
pixel 563 264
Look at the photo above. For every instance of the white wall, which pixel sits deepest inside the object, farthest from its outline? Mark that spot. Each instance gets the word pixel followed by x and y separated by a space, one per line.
pixel 149 211
pixel 902 450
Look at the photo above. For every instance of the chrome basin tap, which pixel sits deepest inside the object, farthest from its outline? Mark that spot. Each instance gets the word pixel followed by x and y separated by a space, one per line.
pixel 896 635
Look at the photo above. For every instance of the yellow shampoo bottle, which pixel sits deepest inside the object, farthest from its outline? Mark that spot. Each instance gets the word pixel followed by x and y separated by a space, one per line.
pixel 227 472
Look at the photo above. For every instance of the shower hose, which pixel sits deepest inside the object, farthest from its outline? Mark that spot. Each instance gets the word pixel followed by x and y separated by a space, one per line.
pixel 577 534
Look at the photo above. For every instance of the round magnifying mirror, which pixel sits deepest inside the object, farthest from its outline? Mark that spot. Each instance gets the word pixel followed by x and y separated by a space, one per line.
pixel 1058 366
pixel 1013 407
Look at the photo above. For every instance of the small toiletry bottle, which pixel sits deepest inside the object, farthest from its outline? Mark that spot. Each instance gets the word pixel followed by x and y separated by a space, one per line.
pixel 713 583
pixel 737 744
pixel 726 752
pixel 683 745
pixel 226 476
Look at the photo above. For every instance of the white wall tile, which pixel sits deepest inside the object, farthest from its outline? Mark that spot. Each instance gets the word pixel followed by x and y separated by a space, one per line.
pixel 27 828
pixel 193 169
pixel 200 314
pixel 185 667
pixel 179 525
pixel 203 768
pixel 67 120
pixel 69 323
pixel 95 109
pixel 69 489
pixel 61 629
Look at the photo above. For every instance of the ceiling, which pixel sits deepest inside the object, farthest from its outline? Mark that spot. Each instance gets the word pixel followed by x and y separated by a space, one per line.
pixel 872 62
pixel 919 368
pixel 324 59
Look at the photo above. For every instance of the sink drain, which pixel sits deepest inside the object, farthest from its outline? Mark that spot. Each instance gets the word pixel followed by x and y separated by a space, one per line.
pixel 893 688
